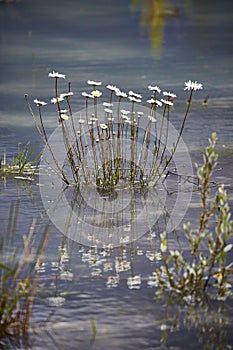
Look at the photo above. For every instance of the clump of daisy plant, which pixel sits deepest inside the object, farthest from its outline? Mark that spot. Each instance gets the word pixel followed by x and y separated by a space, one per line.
pixel 109 144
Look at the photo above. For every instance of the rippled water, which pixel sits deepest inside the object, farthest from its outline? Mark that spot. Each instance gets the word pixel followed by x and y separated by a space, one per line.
pixel 88 296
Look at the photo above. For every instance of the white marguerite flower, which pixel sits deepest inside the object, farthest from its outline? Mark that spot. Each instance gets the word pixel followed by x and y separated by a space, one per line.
pixel 120 93
pixel 94 119
pixel 64 116
pixel 94 83
pixel 39 103
pixel 96 93
pixel 85 94
pixel 167 102
pixel 124 111
pixel 107 104
pixel 103 126
pixel 56 75
pixel 133 94
pixel 134 99
pixel 192 85
pixel 108 110
pixel 154 88
pixel 169 94
pixel 153 101
pixel 139 114
pixel 67 94
pixel 57 99
pixel 112 87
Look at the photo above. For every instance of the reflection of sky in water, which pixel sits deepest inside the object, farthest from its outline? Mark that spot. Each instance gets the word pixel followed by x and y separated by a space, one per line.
pixel 107 41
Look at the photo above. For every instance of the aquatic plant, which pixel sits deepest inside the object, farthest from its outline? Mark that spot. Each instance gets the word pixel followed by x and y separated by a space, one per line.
pixel 18 280
pixel 208 266
pixel 109 145
pixel 23 163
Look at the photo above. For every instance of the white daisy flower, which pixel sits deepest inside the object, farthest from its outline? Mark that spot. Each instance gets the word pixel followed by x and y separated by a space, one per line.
pixel 64 116
pixel 154 88
pixel 85 94
pixel 67 94
pixel 103 126
pixel 95 83
pixel 192 85
pixel 120 93
pixel 96 93
pixel 39 103
pixel 112 87
pixel 108 110
pixel 169 94
pixel 134 99
pixel 57 99
pixel 107 104
pixel 167 102
pixel 125 112
pixel 56 75
pixel 81 121
pixel 140 114
pixel 133 94
pixel 151 101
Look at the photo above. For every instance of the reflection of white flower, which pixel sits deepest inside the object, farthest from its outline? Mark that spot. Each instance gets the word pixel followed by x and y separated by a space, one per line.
pixel 96 93
pixel 122 265
pixel 169 94
pixel 134 282
pixel 95 83
pixel 56 75
pixel 192 85
pixel 103 126
pixel 112 281
pixel 56 301
pixel 167 102
pixel 154 88
pixel 39 103
pixel 57 99
pixel 153 280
